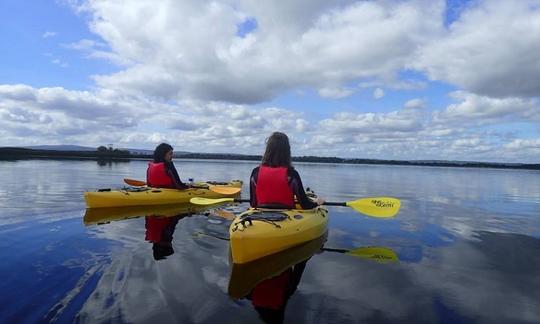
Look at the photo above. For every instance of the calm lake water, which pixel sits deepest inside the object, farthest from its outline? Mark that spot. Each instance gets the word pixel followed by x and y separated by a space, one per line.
pixel 468 243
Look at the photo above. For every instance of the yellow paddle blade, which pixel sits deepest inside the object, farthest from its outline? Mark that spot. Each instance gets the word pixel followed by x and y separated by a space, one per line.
pixel 209 201
pixel 133 182
pixel 379 254
pixel 383 207
pixel 224 190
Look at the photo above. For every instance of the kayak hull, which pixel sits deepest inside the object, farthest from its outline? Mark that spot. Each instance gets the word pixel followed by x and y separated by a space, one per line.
pixel 147 196
pixel 252 236
pixel 244 277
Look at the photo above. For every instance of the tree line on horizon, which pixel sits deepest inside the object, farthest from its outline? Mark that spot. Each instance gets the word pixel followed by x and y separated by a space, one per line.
pixel 108 153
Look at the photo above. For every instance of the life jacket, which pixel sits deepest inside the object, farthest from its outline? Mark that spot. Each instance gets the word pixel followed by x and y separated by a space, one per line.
pixel 156 176
pixel 273 187
pixel 272 293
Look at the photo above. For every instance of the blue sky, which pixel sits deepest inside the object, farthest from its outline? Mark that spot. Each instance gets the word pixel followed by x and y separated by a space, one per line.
pixel 414 79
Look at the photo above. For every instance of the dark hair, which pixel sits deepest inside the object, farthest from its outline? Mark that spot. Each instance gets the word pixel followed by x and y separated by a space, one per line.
pixel 160 151
pixel 278 151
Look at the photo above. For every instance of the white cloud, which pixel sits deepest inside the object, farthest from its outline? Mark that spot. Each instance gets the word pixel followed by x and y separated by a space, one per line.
pixel 335 93
pixel 372 123
pixel 490 50
pixel 520 144
pixel 190 48
pixel 97 50
pixel 415 104
pixel 378 93
pixel 45 115
pixel 48 34
pixel 185 72
pixel 477 109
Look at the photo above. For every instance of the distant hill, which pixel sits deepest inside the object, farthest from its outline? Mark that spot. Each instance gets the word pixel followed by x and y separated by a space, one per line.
pixel 61 148
pixel 74 148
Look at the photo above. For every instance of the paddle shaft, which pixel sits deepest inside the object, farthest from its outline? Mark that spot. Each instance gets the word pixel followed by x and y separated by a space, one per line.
pixel 335 250
pixel 327 203
pixel 334 203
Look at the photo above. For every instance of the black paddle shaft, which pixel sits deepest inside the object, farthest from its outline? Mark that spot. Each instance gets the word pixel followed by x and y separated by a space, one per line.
pixel 334 203
pixel 327 203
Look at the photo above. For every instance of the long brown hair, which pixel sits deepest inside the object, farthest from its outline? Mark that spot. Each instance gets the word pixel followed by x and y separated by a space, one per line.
pixel 160 151
pixel 278 151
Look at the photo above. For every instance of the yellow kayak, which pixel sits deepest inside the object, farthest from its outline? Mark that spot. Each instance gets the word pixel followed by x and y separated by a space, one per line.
pixel 159 196
pixel 97 216
pixel 260 232
pixel 244 277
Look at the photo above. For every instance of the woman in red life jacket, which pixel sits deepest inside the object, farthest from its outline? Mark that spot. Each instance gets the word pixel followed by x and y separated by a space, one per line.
pixel 275 183
pixel 161 172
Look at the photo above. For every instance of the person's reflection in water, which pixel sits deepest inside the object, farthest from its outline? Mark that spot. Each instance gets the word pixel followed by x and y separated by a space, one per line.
pixel 270 296
pixel 159 231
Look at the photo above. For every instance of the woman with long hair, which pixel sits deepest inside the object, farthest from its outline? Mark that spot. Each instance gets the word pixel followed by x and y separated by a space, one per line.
pixel 275 183
pixel 161 172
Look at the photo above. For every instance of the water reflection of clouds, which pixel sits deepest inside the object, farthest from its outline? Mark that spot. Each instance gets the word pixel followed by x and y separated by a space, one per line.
pixel 344 289
pixel 494 278
pixel 490 280
pixel 129 232
pixel 189 286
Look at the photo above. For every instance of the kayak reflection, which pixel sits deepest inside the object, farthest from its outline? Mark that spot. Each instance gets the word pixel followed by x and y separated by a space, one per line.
pixel 269 282
pixel 98 216
pixel 160 222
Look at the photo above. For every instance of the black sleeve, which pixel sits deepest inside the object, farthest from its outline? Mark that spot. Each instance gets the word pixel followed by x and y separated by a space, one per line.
pixel 171 171
pixel 253 187
pixel 298 190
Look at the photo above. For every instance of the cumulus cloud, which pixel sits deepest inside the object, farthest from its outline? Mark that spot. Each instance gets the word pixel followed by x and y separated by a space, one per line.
pixel 57 112
pixel 415 103
pixel 349 123
pixel 378 93
pixel 519 144
pixel 99 117
pixel 97 50
pixel 490 50
pixel 192 48
pixel 472 108
pixel 203 71
pixel 329 92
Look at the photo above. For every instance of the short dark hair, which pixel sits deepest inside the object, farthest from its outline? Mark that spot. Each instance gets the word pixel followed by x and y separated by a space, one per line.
pixel 278 151
pixel 160 151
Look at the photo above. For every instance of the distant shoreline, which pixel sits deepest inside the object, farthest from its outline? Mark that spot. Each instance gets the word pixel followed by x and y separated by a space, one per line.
pixel 16 153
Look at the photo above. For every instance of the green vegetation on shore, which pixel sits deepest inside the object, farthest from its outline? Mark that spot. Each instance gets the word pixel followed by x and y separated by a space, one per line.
pixel 103 153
